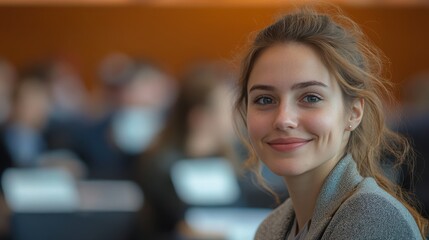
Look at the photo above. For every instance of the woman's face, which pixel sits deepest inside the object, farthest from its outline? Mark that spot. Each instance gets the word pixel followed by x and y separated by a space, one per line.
pixel 296 117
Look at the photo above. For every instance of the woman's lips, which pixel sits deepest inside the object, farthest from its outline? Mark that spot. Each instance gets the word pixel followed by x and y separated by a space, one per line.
pixel 287 144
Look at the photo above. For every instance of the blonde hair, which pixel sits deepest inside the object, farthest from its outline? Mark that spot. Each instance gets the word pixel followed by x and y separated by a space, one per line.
pixel 357 66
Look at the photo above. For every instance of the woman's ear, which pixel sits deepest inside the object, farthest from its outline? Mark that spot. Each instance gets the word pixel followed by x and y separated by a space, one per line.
pixel 356 113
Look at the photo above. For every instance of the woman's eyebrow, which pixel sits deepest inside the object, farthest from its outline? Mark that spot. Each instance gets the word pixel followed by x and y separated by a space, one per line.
pixel 308 84
pixel 294 87
pixel 261 87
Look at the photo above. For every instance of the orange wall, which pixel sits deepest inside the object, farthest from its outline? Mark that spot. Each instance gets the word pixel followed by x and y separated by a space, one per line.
pixel 177 36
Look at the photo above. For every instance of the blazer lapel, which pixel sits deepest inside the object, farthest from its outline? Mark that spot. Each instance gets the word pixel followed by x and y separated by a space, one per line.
pixel 338 186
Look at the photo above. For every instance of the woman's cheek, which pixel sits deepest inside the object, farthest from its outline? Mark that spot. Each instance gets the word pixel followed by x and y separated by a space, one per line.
pixel 317 122
pixel 323 124
pixel 258 126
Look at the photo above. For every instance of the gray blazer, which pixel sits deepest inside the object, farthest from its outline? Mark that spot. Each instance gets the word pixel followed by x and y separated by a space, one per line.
pixel 349 207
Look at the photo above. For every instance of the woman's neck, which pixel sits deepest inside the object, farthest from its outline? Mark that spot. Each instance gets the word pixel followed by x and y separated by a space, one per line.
pixel 304 190
pixel 304 193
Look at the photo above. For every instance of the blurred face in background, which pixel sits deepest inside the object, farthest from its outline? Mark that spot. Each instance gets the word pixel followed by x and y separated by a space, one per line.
pixel 211 124
pixel 148 89
pixel 144 100
pixel 69 94
pixel 32 104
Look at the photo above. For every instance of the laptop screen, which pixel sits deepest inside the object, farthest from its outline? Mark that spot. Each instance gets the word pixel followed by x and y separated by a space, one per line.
pixel 48 204
pixel 205 182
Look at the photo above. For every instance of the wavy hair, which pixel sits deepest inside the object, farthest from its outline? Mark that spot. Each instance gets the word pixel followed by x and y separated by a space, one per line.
pixel 358 68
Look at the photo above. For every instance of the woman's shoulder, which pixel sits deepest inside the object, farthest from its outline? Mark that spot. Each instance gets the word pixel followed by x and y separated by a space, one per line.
pixel 371 212
pixel 371 197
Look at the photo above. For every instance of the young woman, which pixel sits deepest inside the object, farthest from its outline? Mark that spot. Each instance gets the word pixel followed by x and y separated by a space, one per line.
pixel 309 101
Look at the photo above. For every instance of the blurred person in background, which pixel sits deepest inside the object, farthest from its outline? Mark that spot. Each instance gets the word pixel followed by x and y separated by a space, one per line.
pixel 22 137
pixel 412 120
pixel 35 124
pixel 112 70
pixel 200 127
pixel 69 95
pixel 144 101
pixel 69 114
pixel 26 137
pixel 138 97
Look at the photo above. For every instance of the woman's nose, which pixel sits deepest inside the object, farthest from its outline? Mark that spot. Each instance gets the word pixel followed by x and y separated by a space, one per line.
pixel 286 117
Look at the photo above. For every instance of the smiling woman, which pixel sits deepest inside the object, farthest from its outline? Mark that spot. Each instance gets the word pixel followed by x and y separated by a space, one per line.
pixel 310 104
pixel 296 118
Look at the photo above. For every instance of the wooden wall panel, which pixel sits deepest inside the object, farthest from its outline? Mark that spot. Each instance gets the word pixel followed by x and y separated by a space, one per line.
pixel 178 36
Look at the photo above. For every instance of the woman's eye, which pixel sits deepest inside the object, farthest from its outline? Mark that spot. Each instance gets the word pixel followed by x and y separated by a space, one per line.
pixel 312 99
pixel 264 100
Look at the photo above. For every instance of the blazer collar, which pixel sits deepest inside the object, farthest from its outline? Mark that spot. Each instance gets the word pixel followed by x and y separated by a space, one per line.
pixel 285 221
pixel 338 186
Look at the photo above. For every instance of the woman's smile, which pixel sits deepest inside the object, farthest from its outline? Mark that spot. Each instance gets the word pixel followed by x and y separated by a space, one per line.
pixel 289 144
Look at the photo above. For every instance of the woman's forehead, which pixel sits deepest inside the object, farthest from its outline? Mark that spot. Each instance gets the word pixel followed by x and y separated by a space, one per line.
pixel 289 64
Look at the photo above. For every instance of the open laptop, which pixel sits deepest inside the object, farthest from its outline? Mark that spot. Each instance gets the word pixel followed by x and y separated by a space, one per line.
pixel 211 188
pixel 48 204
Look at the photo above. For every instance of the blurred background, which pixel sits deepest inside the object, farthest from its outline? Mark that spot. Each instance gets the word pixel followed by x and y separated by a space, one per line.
pixel 115 117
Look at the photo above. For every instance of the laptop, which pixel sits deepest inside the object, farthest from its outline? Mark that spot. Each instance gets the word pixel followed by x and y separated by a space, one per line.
pixel 49 204
pixel 210 187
